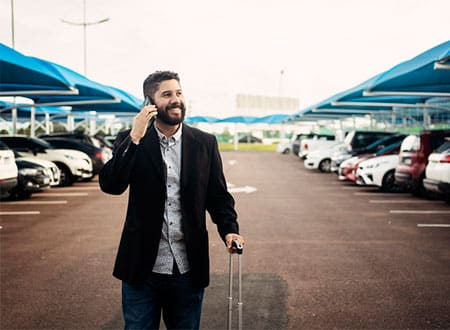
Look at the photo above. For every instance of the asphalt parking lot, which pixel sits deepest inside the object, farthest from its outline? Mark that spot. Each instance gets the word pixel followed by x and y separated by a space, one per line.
pixel 320 254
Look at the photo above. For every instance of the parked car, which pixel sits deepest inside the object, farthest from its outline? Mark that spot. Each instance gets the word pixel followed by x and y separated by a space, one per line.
pixel 55 176
pixel 437 172
pixel 359 142
pixel 95 141
pixel 380 172
pixel 75 135
pixel 249 139
pixel 321 159
pixel 8 170
pixel 98 156
pixel 32 177
pixel 348 168
pixel 413 161
pixel 296 142
pixel 315 143
pixel 74 165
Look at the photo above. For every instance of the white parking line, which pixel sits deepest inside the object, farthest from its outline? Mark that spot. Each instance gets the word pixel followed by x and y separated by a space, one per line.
pixel 62 194
pixel 437 225
pixel 376 193
pixel 419 211
pixel 37 202
pixel 403 201
pixel 19 212
pixel 80 188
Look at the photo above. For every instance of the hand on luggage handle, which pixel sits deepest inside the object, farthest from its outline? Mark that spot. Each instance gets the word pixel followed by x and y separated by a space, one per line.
pixel 237 244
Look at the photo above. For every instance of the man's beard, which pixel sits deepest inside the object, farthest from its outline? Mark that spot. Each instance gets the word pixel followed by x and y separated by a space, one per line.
pixel 163 114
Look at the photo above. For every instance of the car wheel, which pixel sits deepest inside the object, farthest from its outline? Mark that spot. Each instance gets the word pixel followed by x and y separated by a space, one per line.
pixel 286 151
pixel 66 178
pixel 388 183
pixel 325 165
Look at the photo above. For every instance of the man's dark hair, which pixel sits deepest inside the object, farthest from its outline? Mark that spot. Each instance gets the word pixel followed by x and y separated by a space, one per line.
pixel 151 84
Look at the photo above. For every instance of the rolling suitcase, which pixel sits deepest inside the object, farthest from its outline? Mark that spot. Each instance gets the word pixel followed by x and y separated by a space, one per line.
pixel 240 249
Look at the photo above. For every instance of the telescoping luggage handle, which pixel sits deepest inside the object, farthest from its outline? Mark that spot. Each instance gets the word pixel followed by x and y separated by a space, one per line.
pixel 236 244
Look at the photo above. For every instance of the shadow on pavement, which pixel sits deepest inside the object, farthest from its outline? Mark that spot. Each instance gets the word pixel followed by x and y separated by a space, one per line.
pixel 264 299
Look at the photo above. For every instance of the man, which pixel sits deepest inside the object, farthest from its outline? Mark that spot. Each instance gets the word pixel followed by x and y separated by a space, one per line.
pixel 174 174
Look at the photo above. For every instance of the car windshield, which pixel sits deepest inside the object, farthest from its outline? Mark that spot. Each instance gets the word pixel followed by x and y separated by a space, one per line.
pixel 42 143
pixel 3 146
pixel 411 143
pixel 444 148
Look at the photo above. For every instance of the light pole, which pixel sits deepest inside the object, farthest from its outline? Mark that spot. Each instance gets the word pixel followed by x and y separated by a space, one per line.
pixel 84 24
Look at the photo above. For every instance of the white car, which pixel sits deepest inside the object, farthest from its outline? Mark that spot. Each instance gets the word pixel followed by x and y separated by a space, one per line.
pixel 437 172
pixel 74 165
pixel 321 159
pixel 51 169
pixel 8 170
pixel 316 143
pixel 380 172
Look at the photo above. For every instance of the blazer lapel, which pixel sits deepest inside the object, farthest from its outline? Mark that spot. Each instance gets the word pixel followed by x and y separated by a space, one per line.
pixel 153 150
pixel 187 155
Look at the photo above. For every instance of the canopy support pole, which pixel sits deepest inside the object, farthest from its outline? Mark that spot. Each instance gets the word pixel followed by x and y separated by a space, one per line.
pixel 33 121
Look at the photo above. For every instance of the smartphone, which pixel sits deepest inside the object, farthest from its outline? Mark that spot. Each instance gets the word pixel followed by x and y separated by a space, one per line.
pixel 148 101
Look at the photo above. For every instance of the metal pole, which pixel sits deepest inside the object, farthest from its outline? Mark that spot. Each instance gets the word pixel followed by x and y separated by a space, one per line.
pixel 85 24
pixel 12 24
pixel 33 121
pixel 240 303
pixel 84 37
pixel 230 292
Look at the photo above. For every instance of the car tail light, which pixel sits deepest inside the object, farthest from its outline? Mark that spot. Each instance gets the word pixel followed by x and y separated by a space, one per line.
pixel 446 159
pixel 306 146
pixel 101 155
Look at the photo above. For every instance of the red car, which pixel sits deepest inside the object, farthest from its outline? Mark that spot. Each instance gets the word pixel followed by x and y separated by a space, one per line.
pixel 414 153
pixel 349 167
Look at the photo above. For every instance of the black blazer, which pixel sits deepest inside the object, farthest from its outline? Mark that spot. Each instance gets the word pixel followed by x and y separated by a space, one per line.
pixel 203 188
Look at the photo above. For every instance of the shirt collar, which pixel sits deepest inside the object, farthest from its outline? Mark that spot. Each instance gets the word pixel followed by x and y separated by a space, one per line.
pixel 176 137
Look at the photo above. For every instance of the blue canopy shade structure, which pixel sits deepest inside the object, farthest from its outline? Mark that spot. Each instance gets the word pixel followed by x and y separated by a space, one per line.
pixel 272 119
pixel 420 76
pixel 126 103
pixel 22 75
pixel 201 119
pixel 89 92
pixel 239 119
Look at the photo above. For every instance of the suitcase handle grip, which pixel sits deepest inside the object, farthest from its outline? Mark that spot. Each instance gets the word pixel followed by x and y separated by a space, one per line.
pixel 239 247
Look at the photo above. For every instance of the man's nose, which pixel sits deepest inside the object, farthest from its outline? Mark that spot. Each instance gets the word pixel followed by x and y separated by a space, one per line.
pixel 175 99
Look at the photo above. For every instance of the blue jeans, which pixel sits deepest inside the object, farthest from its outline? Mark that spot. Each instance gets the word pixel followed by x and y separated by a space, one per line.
pixel 173 295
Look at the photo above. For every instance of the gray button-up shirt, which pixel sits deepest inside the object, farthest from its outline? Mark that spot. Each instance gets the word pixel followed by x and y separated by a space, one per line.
pixel 172 245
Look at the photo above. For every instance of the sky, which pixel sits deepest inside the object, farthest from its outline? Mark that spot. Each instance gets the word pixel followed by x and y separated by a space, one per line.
pixel 307 49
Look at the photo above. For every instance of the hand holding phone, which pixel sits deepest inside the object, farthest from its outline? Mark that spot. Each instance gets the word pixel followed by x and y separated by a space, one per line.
pixel 145 118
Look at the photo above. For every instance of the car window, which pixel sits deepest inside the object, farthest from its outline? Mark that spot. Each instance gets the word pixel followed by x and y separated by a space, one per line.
pixel 445 147
pixel 40 143
pixel 436 141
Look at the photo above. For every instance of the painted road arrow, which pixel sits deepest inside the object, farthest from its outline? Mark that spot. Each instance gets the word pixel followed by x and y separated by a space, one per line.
pixel 246 189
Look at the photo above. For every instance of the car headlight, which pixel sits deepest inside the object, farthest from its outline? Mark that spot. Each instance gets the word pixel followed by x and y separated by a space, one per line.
pixel 29 171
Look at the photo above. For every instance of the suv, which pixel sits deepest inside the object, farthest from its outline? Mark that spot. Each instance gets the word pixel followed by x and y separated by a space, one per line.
pixel 8 170
pixel 355 142
pixel 413 160
pixel 74 165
